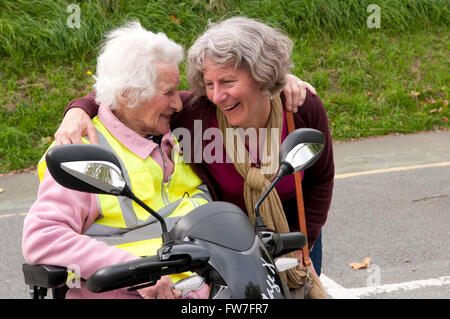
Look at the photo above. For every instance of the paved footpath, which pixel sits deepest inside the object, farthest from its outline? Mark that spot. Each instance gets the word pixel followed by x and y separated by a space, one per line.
pixel 391 203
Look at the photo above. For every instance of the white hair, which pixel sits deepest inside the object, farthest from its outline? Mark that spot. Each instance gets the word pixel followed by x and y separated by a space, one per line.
pixel 126 64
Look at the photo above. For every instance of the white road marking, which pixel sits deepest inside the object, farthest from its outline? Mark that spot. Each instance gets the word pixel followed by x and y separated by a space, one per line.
pixel 337 291
pixel 391 169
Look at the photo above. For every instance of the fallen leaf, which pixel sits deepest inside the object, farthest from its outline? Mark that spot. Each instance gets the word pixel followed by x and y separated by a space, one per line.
pixel 445 119
pixel 369 93
pixel 414 94
pixel 445 102
pixel 364 264
pixel 175 19
pixel 433 110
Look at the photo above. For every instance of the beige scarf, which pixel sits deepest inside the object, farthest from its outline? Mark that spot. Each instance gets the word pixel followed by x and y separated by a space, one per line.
pixel 256 182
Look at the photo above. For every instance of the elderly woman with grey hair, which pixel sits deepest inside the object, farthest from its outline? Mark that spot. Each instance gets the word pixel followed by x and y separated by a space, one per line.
pixel 237 69
pixel 240 66
pixel 136 84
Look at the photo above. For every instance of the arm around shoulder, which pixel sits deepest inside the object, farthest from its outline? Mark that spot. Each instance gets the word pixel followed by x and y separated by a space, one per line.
pixel 77 123
pixel 86 103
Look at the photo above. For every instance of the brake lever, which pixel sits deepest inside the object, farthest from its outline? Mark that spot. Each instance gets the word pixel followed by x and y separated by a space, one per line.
pixel 170 267
pixel 141 286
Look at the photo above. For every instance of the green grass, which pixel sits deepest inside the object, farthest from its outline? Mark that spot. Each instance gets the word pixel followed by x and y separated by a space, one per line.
pixel 372 81
pixel 400 84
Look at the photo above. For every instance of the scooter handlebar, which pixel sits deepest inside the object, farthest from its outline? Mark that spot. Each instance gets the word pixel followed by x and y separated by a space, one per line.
pixel 292 241
pixel 135 272
pixel 280 244
pixel 174 258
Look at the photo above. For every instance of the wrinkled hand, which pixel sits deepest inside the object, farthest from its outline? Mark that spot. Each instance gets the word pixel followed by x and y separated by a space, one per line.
pixel 76 124
pixel 295 92
pixel 161 290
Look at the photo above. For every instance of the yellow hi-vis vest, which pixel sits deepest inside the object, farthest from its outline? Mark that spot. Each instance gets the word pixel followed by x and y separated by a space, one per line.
pixel 122 222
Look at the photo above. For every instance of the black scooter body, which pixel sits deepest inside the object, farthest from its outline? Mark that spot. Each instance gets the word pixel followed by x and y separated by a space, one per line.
pixel 236 250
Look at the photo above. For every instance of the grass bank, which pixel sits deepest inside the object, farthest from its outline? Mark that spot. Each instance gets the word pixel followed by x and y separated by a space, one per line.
pixel 373 81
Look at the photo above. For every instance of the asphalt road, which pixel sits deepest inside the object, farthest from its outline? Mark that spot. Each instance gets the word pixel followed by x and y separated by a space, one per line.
pixel 391 203
pixel 395 210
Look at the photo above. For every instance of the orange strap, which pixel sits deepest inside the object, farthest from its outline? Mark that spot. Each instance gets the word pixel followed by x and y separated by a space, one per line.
pixel 299 193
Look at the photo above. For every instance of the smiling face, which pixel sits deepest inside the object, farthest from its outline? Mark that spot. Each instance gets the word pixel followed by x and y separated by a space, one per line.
pixel 152 116
pixel 236 94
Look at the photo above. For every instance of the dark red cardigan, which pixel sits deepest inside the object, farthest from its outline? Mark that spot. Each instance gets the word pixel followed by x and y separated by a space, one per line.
pixel 317 181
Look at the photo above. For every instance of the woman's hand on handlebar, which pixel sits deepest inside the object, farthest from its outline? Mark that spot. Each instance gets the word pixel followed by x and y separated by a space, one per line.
pixel 161 290
pixel 76 124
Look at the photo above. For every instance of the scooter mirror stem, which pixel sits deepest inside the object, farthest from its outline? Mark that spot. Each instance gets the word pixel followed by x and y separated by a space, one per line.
pixel 166 238
pixel 285 169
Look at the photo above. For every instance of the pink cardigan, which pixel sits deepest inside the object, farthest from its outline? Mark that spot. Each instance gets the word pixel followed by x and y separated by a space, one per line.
pixel 53 229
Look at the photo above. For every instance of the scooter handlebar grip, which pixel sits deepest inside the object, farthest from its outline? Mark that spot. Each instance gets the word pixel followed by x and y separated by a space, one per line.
pixel 119 275
pixel 292 241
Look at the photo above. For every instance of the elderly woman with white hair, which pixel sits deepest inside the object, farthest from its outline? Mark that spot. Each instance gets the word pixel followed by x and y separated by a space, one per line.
pixel 237 69
pixel 136 84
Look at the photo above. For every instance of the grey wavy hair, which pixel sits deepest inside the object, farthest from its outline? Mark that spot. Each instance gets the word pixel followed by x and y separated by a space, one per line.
pixel 126 64
pixel 264 51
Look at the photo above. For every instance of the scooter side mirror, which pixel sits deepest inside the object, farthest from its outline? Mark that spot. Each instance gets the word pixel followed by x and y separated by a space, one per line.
pixel 301 149
pixel 86 168
pixel 93 169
